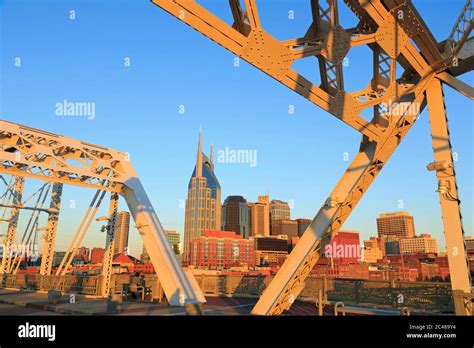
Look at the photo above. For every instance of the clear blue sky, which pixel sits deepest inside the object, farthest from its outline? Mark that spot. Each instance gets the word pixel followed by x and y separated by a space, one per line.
pixel 299 157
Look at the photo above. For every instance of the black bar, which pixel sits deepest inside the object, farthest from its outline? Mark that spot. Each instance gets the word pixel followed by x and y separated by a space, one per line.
pixel 240 330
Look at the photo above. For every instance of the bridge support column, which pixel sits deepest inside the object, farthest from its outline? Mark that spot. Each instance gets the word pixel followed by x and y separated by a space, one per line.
pixel 17 192
pixel 109 246
pixel 448 194
pixel 51 230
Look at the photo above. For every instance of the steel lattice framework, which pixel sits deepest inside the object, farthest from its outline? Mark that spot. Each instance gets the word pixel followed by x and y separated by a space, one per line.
pixel 398 37
pixel 31 153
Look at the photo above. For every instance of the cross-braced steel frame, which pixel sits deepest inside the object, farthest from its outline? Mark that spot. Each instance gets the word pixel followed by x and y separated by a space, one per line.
pixel 31 153
pixel 399 39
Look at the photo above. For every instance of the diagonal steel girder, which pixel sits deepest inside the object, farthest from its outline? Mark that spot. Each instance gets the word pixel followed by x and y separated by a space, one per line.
pixel 371 158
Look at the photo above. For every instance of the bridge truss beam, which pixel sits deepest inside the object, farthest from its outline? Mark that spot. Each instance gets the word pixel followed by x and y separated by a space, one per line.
pixel 10 238
pixel 28 152
pixel 51 230
pixel 109 244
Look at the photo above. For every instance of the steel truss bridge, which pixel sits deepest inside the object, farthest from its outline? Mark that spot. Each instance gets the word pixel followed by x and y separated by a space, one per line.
pixel 409 70
pixel 31 153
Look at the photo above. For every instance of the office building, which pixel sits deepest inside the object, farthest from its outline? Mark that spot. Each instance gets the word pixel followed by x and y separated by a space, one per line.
pixel 399 224
pixel 372 250
pixel 302 225
pixel 344 248
pixel 392 247
pixel 220 250
pixel 270 250
pixel 203 205
pixel 279 210
pixel 421 244
pixel 286 227
pixel 260 217
pixel 122 229
pixel 236 216
pixel 175 241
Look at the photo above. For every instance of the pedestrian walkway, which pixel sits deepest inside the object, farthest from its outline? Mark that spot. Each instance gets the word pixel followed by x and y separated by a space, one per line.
pixel 84 305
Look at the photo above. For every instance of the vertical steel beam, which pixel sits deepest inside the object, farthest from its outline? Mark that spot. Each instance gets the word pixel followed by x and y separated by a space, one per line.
pixel 109 245
pixel 383 76
pixel 17 193
pixel 51 230
pixel 448 194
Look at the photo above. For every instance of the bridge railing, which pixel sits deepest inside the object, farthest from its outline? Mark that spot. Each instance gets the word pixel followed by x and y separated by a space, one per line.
pixel 422 296
pixel 88 285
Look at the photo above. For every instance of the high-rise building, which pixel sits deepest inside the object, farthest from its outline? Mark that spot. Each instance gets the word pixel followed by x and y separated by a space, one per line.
pixel 421 244
pixel 302 225
pixel 279 210
pixel 203 205
pixel 175 240
pixel 399 224
pixel 97 255
pixel 286 227
pixel 260 217
pixel 236 216
pixel 122 229
pixel 220 250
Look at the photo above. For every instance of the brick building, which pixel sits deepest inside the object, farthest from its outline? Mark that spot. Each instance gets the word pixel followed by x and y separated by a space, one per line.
pixel 220 250
pixel 97 255
pixel 344 248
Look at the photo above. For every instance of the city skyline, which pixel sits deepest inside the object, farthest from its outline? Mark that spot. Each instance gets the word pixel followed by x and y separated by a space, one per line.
pixel 136 251
pixel 253 128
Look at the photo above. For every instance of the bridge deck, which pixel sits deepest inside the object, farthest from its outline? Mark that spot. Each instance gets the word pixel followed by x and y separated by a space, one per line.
pixel 15 302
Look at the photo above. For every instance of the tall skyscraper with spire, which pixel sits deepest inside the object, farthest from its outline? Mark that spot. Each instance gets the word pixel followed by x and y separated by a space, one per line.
pixel 203 206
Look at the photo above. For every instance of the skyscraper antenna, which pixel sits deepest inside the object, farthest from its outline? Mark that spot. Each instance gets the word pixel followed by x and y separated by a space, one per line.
pixel 211 155
pixel 199 156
